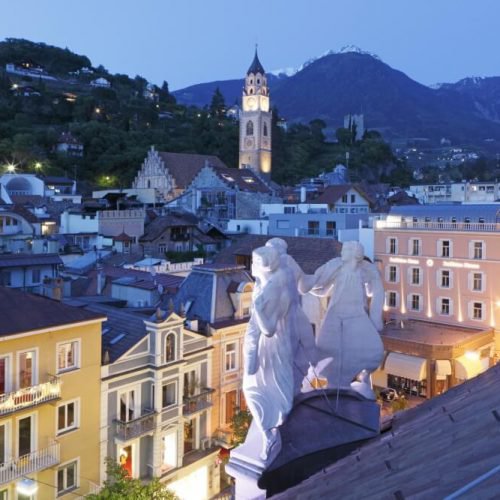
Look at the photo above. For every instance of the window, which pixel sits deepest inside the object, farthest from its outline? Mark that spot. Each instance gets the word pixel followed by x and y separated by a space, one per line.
pixel 477 250
pixel 67 417
pixel 415 247
pixel 445 306
pixel 353 198
pixel 35 276
pixel 415 276
pixel 4 375
pixel 289 210
pixel 393 246
pixel 67 356
pixel 127 407
pixel 162 248
pixel 250 127
pixel 313 228
pixel 445 248
pixel 392 299
pixel 415 302
pixel 393 274
pixel 230 356
pixel 330 227
pixel 477 282
pixel 67 477
pixel 445 279
pixel 230 406
pixel 170 348
pixel 168 394
pixel 265 130
pixel 25 443
pixel 27 369
pixel 4 439
pixel 344 198
pixel 169 450
pixel 5 278
pixel 477 310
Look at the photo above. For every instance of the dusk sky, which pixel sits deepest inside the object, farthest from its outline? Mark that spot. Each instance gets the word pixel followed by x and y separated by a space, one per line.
pixel 194 41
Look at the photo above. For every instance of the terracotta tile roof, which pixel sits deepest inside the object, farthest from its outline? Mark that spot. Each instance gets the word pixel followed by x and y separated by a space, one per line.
pixel 29 259
pixel 433 450
pixel 184 166
pixel 123 237
pixel 310 253
pixel 23 312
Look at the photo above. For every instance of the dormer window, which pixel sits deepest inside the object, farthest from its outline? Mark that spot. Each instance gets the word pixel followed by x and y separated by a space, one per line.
pixel 170 348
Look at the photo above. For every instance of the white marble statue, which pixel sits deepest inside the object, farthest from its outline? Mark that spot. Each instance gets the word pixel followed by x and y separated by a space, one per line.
pixel 348 340
pixel 268 382
pixel 301 332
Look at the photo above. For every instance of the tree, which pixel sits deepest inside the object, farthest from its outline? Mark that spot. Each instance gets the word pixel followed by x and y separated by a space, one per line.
pixel 218 105
pixel 240 423
pixel 119 486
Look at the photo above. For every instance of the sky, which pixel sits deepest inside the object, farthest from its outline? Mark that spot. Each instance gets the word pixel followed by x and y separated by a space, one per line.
pixel 193 41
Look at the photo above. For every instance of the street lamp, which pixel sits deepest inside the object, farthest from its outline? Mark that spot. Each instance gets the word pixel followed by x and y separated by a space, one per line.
pixel 38 165
pixel 27 487
pixel 11 168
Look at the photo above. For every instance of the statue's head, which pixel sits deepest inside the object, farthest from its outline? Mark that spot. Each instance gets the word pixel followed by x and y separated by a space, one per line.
pixel 265 260
pixel 352 251
pixel 279 244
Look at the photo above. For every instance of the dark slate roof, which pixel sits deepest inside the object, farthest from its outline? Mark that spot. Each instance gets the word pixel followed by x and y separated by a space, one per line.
pixel 256 66
pixel 206 289
pixel 184 167
pixel 243 179
pixel 29 259
pixel 432 451
pixel 310 253
pixel 159 225
pixel 52 179
pixel 490 212
pixel 332 194
pixel 119 322
pixel 22 312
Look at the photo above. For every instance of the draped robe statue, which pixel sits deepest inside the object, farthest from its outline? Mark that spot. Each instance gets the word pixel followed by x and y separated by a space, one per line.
pixel 348 340
pixel 268 382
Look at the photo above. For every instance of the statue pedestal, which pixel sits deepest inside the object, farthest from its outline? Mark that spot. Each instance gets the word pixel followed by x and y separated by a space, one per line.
pixel 322 427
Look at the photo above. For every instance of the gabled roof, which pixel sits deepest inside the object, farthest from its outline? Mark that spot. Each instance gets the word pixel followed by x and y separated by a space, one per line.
pixel 332 194
pixel 22 312
pixel 432 451
pixel 243 179
pixel 184 166
pixel 310 253
pixel 159 225
pixel 256 66
pixel 29 259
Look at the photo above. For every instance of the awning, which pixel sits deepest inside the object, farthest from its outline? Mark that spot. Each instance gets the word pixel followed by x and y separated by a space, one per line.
pixel 443 368
pixel 402 365
pixel 467 367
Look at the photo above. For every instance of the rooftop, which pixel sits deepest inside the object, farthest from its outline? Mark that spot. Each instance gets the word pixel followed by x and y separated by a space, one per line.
pixel 444 445
pixel 36 313
pixel 29 259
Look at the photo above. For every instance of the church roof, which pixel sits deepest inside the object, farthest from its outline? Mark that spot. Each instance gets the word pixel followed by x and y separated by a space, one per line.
pixel 185 166
pixel 256 66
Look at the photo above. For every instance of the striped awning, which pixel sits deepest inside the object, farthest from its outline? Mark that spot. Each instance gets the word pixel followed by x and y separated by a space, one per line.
pixel 402 365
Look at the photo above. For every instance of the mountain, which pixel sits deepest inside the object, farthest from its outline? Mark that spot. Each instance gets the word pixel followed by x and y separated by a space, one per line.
pixel 353 81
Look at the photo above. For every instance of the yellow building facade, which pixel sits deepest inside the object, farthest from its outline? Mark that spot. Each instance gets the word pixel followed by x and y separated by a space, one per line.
pixel 49 398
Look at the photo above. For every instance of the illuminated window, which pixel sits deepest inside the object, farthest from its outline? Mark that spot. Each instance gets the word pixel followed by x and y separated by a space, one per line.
pixel 67 356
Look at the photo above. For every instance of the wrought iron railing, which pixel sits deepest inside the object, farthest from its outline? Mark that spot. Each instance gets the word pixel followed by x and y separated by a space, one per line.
pixel 136 427
pixel 197 402
pixel 30 396
pixel 27 464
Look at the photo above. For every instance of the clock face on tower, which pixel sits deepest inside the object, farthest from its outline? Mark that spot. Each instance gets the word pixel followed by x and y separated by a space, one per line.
pixel 249 142
pixel 252 103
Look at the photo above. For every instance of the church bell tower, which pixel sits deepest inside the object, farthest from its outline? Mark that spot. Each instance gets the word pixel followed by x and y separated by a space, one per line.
pixel 255 122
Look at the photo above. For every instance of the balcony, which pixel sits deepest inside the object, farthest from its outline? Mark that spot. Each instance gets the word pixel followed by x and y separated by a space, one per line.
pixel 488 227
pixel 139 426
pixel 30 396
pixel 197 402
pixel 27 464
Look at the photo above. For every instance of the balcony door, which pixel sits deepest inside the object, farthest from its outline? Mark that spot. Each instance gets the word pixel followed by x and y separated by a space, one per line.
pixel 4 375
pixel 27 369
pixel 25 443
pixel 128 405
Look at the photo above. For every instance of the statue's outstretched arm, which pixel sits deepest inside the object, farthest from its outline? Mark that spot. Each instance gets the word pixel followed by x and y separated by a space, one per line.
pixel 321 282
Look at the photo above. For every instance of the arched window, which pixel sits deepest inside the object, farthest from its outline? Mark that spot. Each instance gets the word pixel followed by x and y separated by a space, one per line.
pixel 265 129
pixel 251 91
pixel 258 81
pixel 149 183
pixel 170 348
pixel 250 127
